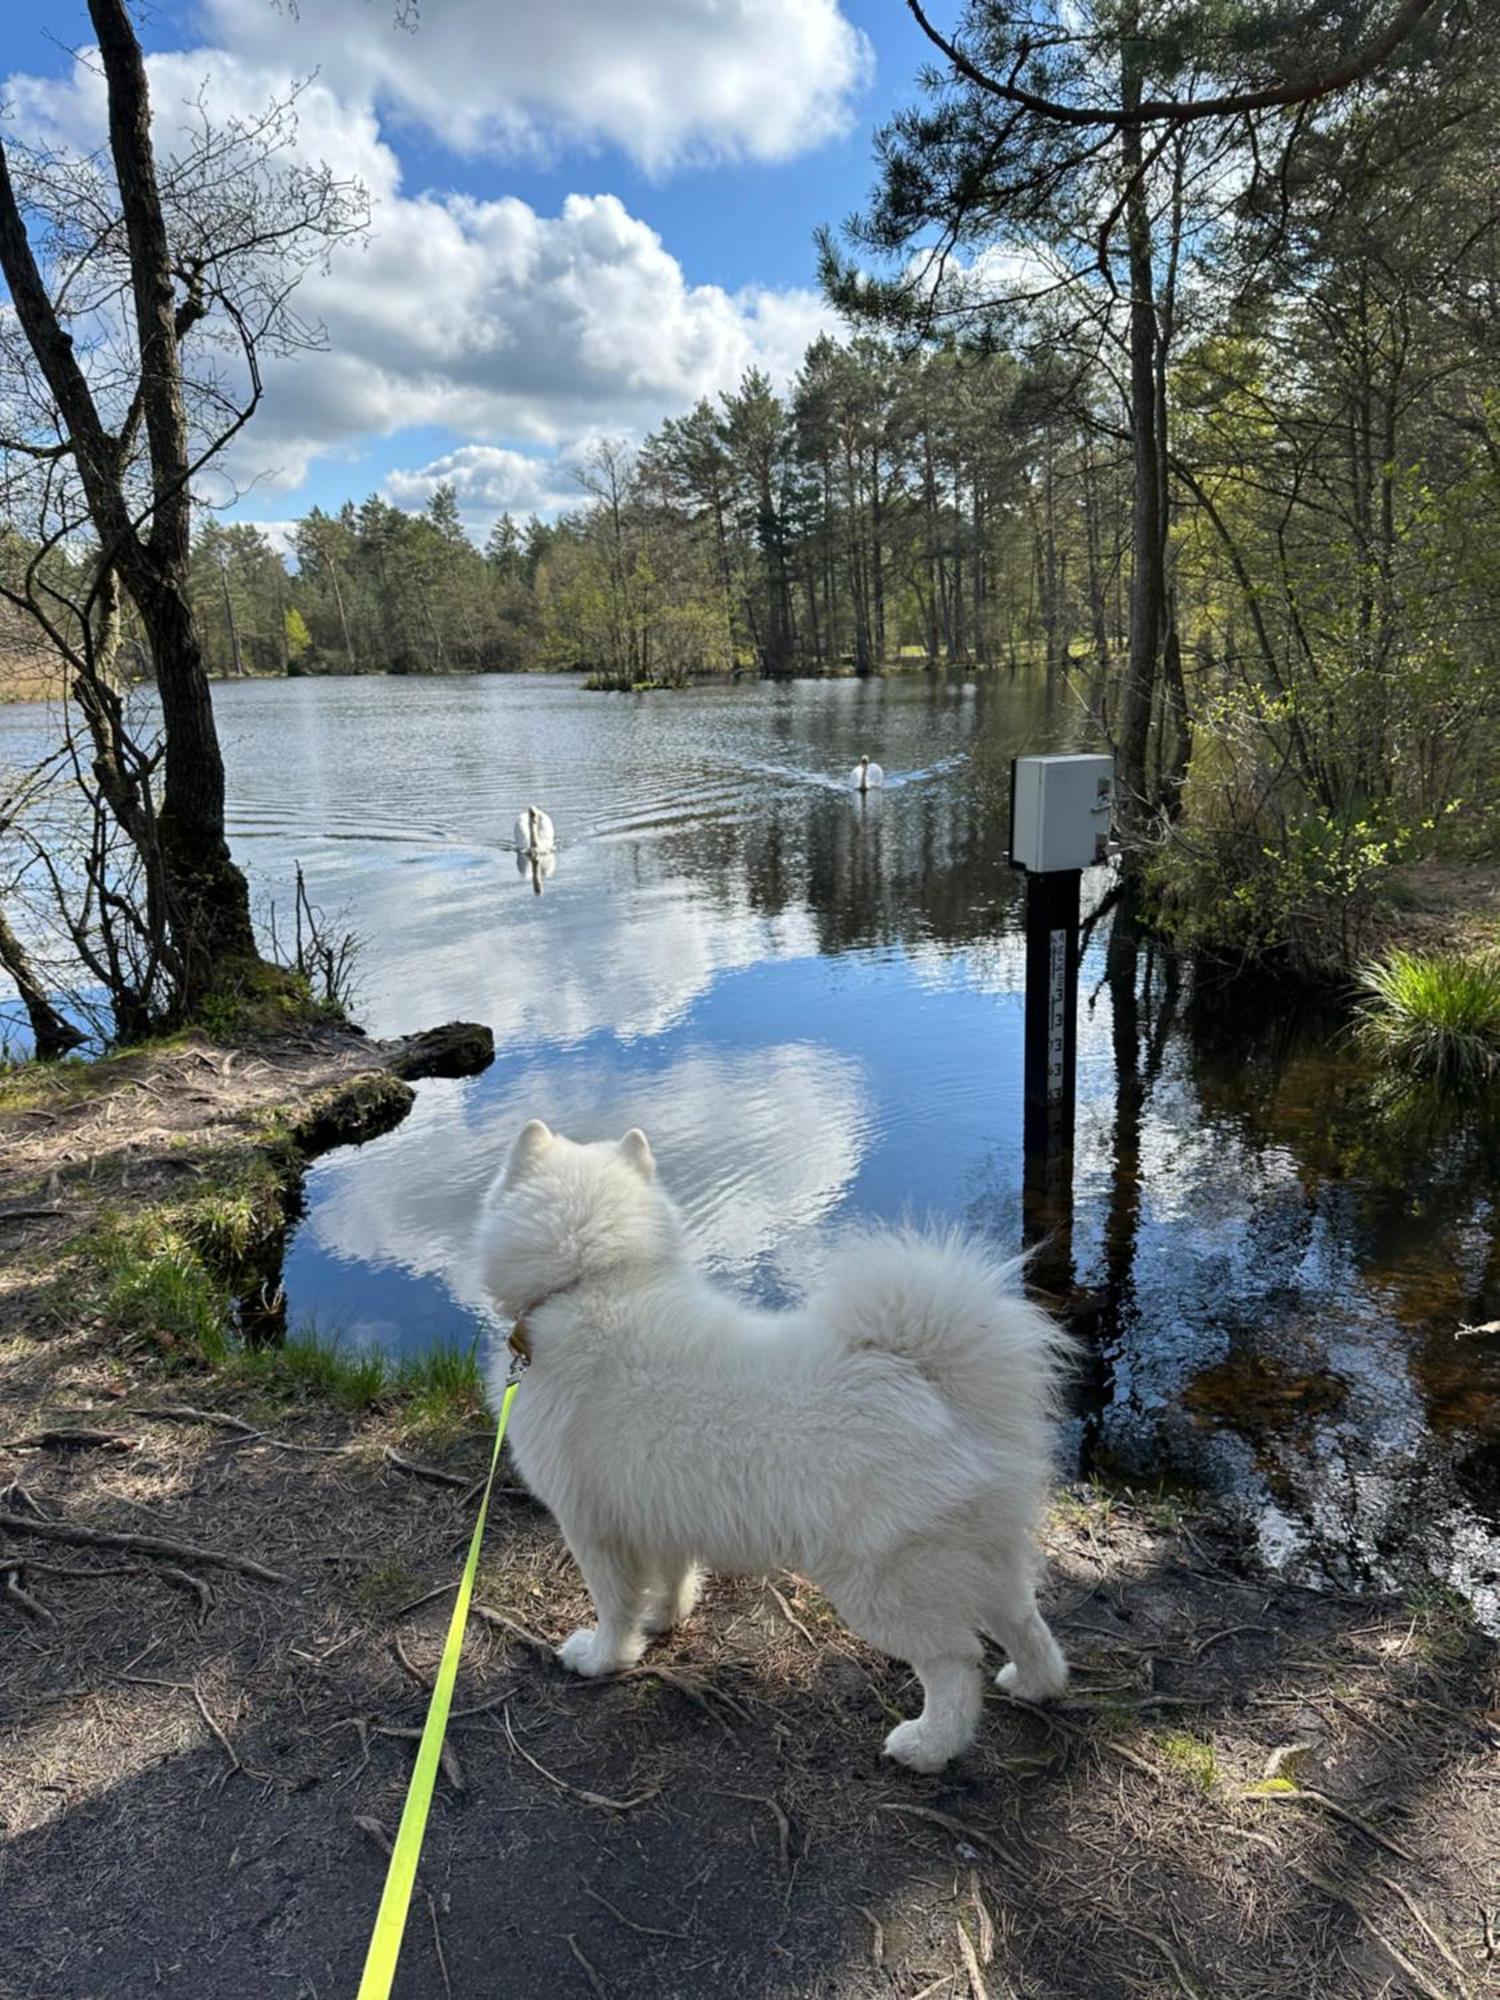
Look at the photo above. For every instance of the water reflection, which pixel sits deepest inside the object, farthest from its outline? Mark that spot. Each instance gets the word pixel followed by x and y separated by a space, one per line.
pixel 1283 1272
pixel 812 1001
pixel 763 1146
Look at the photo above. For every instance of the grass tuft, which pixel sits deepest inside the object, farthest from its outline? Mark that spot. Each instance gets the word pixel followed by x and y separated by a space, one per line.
pixel 439 1385
pixel 159 1287
pixel 1190 1757
pixel 1434 1016
pixel 170 1275
pixel 310 1365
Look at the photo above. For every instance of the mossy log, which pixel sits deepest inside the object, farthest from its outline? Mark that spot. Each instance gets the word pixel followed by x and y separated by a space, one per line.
pixel 458 1048
pixel 349 1114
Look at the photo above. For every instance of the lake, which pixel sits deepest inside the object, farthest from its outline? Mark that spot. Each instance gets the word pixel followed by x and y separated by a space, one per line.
pixel 813 1005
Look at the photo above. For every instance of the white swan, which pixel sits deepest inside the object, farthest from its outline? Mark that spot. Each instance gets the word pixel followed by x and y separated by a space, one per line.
pixel 866 777
pixel 534 833
pixel 537 868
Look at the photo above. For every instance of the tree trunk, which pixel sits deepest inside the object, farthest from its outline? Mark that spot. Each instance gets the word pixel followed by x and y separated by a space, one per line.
pixel 209 896
pixel 52 1035
pixel 877 564
pixel 1098 606
pixel 1148 579
pixel 338 598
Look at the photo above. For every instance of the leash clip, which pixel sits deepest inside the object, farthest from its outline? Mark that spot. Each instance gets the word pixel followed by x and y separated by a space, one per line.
pixel 519 1343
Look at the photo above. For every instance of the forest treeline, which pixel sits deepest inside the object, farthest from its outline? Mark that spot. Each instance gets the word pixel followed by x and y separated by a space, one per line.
pixel 895 503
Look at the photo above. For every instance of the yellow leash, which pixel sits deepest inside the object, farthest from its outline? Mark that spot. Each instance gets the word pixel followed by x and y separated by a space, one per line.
pixel 401 1875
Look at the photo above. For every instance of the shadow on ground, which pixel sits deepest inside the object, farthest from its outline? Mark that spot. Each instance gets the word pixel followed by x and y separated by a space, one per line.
pixel 1251 1791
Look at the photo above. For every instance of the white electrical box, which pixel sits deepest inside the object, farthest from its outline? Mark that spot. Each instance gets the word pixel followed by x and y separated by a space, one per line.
pixel 1060 810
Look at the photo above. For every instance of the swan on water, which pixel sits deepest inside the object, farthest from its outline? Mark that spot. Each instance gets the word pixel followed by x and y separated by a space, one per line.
pixel 866 776
pixel 534 833
pixel 537 868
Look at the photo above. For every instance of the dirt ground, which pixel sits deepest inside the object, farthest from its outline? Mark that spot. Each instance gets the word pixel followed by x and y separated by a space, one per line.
pixel 1251 1790
pixel 1438 905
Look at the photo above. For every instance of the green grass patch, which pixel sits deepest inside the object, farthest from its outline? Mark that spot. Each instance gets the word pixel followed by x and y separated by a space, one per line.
pixel 1190 1756
pixel 28 1085
pixel 309 1366
pixel 170 1277
pixel 436 1387
pixel 1434 1016
pixel 1086 1507
pixel 159 1287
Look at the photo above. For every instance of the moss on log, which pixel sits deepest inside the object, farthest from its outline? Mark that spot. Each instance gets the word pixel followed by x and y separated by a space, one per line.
pixel 458 1048
pixel 349 1114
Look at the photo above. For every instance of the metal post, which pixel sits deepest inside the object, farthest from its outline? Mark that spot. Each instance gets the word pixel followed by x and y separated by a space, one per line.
pixel 1051 1009
pixel 1059 825
pixel 1051 1053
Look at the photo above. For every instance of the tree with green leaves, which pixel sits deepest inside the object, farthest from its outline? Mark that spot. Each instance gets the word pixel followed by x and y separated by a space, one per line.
pixel 1068 157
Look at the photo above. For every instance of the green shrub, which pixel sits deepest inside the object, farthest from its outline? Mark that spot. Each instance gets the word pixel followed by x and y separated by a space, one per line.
pixel 1434 1016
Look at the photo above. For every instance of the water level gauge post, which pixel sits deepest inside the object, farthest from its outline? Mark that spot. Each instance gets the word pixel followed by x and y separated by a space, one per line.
pixel 1059 825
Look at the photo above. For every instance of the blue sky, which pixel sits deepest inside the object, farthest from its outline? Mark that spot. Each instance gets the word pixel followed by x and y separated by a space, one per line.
pixel 584 215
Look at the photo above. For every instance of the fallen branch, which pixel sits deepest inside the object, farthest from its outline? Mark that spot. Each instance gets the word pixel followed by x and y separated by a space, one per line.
pixel 63 1439
pixel 184 1413
pixel 1397 1957
pixel 791 1617
pixel 645 1930
pixel 574 1791
pixel 783 1824
pixel 973 1834
pixel 977 1988
pixel 148 1545
pixel 1304 1795
pixel 1422 1924
pixel 216 1732
pixel 588 1971
pixel 419 1471
pixel 453 1771
pixel 515 1628
pixel 375 1830
pixel 192 1688
pixel 24 1601
pixel 486 1614
pixel 437 1944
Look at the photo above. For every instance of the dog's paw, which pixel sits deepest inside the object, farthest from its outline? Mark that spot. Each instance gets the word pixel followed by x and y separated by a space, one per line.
pixel 583 1652
pixel 1045 1686
pixel 918 1747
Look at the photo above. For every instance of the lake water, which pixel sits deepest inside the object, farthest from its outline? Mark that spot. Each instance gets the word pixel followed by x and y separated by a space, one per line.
pixel 813 1005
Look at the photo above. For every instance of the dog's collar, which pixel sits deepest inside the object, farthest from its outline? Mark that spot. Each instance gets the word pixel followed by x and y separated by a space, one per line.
pixel 519 1338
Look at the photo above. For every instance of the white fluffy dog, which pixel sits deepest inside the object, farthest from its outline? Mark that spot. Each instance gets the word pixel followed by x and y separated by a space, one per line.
pixel 890 1439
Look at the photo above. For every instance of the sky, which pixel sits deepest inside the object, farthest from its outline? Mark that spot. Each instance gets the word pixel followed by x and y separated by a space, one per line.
pixel 584 215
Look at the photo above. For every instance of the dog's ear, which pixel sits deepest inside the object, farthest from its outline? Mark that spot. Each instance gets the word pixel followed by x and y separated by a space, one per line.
pixel 635 1151
pixel 532 1141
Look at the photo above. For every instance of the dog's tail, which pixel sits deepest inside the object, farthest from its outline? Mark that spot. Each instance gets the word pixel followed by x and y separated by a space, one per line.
pixel 959 1315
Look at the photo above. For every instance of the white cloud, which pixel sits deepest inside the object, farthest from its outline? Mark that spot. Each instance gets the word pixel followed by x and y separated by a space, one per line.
pixel 488 481
pixel 505 326
pixel 634 968
pixel 667 81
